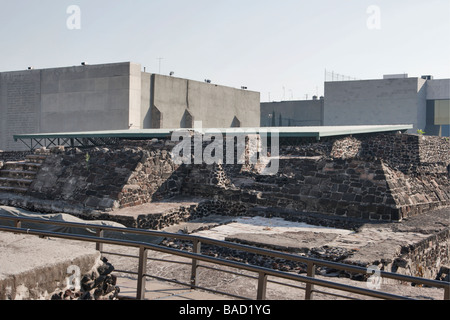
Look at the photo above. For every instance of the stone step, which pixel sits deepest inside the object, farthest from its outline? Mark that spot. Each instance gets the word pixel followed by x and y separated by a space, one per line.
pixel 11 182
pixel 13 189
pixel 17 176
pixel 36 158
pixel 21 165
pixel 21 174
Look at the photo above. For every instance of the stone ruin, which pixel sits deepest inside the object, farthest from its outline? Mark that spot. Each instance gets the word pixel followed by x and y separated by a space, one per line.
pixel 367 178
pixel 376 177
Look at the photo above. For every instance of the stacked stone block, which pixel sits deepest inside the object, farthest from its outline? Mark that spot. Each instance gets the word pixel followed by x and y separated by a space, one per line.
pixel 107 178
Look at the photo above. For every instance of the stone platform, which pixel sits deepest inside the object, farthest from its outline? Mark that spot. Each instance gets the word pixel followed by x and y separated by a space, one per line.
pixel 417 246
pixel 32 267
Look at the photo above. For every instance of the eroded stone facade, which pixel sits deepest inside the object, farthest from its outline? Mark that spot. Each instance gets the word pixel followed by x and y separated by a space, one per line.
pixel 380 177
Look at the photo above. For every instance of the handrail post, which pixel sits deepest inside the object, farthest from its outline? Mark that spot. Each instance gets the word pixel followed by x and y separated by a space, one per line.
pixel 310 272
pixel 196 249
pixel 99 245
pixel 142 269
pixel 262 286
pixel 18 224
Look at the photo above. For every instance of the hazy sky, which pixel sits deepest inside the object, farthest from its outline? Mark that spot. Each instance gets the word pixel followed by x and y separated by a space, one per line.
pixel 279 48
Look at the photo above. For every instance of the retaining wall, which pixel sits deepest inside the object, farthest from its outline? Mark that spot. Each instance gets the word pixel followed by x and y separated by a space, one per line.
pixel 107 178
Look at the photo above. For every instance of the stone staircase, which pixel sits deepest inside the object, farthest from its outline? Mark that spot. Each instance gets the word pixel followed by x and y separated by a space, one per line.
pixel 17 176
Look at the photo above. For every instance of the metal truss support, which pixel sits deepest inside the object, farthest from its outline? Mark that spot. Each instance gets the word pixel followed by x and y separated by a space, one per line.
pixel 35 143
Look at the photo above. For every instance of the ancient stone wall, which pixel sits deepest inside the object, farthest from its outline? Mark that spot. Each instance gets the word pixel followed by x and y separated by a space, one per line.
pixel 425 258
pixel 406 152
pixel 185 213
pixel 108 178
pixel 376 177
pixel 434 149
pixel 379 177
pixel 351 188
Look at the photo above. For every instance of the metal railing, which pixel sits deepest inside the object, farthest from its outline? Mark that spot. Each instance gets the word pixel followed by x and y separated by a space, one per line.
pixel 196 257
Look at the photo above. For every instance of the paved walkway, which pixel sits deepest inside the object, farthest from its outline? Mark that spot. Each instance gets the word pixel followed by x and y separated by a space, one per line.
pixel 158 290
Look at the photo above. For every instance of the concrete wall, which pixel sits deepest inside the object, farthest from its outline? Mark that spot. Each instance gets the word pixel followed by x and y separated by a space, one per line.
pixel 135 97
pixel 421 105
pixel 146 120
pixel 297 113
pixel 86 98
pixel 216 106
pixel 170 97
pixel 20 105
pixel 387 101
pixel 78 98
pixel 438 89
pixel 112 97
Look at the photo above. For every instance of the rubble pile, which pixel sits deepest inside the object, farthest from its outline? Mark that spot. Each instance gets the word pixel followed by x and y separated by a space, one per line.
pixel 98 285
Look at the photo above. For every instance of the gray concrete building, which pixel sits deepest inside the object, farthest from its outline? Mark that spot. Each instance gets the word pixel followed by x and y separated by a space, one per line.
pixel 114 96
pixel 292 113
pixel 395 99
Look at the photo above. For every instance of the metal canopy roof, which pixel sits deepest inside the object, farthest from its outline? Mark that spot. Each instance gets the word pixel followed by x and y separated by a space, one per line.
pixel 283 132
pixel 321 131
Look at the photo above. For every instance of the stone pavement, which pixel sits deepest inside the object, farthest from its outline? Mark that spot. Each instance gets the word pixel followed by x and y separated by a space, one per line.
pixel 159 290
